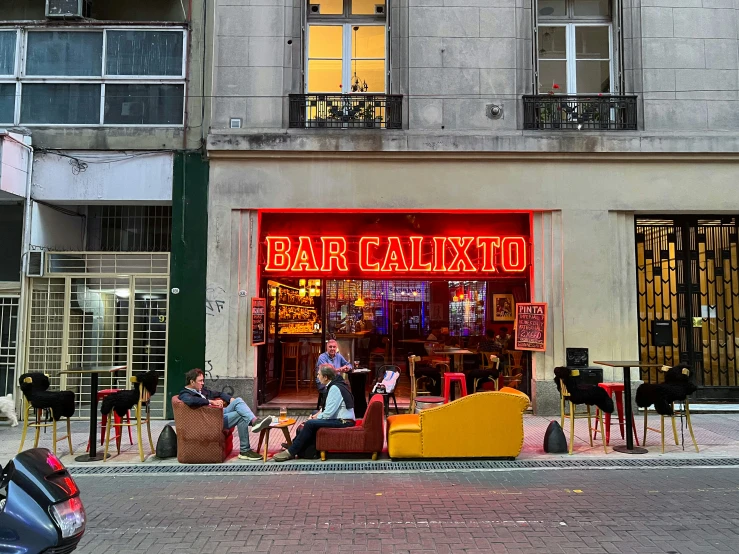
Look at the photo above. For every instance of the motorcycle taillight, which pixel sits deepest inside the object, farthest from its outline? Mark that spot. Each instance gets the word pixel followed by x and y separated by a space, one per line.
pixel 65 482
pixel 69 516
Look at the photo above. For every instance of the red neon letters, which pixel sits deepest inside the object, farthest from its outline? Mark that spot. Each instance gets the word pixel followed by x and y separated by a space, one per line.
pixel 409 255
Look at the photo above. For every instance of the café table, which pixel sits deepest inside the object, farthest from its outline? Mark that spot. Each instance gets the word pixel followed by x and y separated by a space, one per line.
pixel 456 356
pixel 283 425
pixel 93 371
pixel 629 448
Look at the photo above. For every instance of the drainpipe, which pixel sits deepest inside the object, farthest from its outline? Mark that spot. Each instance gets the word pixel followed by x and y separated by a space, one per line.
pixel 20 359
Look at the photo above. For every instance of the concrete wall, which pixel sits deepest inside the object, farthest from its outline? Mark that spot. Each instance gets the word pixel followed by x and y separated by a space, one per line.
pixel 583 239
pixel 450 58
pixel 54 230
pixel 107 177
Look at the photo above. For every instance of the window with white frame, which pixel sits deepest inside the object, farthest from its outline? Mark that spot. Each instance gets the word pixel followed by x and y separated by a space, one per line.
pixel 346 47
pixel 575 47
pixel 92 76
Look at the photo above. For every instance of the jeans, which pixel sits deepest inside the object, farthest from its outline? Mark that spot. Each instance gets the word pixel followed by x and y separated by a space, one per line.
pixel 308 435
pixel 238 414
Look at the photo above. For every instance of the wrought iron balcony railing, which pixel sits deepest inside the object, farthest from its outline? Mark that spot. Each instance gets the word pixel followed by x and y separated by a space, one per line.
pixel 346 111
pixel 601 112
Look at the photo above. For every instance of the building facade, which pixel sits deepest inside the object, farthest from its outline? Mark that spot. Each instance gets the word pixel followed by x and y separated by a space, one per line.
pixel 108 103
pixel 606 129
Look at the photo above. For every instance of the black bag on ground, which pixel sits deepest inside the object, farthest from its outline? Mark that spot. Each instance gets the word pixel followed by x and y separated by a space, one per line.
pixel 167 443
pixel 554 439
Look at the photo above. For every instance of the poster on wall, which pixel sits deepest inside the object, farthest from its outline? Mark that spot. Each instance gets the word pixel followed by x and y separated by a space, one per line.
pixel 258 320
pixel 531 326
pixel 503 305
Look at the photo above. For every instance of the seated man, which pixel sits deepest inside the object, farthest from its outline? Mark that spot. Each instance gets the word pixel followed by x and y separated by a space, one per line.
pixel 339 412
pixel 236 413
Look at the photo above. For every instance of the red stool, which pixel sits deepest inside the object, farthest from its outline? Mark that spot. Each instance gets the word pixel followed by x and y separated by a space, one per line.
pixel 618 390
pixel 449 378
pixel 116 418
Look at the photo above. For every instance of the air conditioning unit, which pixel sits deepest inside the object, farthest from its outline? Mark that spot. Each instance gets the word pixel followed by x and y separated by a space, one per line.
pixel 35 267
pixel 69 9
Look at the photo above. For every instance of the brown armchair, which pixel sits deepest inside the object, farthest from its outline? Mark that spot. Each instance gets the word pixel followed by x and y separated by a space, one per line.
pixel 201 438
pixel 367 436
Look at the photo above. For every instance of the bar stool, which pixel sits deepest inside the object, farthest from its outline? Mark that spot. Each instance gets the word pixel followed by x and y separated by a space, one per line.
pixel 290 352
pixel 37 398
pixel 618 390
pixel 450 378
pixel 661 430
pixel 144 387
pixel 104 419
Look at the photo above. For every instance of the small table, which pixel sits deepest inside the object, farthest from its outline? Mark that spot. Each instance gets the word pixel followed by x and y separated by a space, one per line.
pixel 629 413
pixel 264 435
pixel 93 372
pixel 456 354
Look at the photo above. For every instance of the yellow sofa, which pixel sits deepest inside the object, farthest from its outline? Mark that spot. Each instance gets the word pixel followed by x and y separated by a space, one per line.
pixel 480 425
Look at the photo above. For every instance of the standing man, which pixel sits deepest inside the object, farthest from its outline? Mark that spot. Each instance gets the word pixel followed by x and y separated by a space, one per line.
pixel 236 412
pixel 331 357
pixel 339 412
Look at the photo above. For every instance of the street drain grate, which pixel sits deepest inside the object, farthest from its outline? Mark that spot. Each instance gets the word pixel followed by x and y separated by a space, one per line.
pixel 400 466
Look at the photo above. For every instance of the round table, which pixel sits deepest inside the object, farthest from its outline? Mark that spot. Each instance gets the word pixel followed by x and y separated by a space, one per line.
pixel 264 434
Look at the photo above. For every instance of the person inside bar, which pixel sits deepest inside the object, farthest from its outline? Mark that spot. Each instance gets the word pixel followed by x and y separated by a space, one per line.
pixel 338 412
pixel 331 357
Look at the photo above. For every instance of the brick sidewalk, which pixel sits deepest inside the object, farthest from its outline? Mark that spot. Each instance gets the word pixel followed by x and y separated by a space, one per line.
pixel 717 436
pixel 574 512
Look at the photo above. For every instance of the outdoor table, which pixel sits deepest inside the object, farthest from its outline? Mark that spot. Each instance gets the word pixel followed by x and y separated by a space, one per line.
pixel 93 372
pixel 358 385
pixel 264 435
pixel 626 366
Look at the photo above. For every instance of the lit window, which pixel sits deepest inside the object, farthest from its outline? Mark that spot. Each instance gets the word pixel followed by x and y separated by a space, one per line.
pixel 346 47
pixel 574 47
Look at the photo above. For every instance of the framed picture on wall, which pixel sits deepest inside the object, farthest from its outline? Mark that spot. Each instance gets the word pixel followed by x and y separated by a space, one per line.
pixel 503 307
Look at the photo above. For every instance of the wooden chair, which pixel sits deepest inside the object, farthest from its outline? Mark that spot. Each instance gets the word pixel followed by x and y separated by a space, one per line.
pixel 315 352
pixel 564 398
pixel 513 381
pixel 27 410
pixel 661 430
pixel 490 362
pixel 515 362
pixel 290 351
pixel 143 405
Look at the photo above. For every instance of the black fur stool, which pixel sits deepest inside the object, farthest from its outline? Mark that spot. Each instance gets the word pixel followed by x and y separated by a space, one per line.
pixel 574 392
pixel 37 398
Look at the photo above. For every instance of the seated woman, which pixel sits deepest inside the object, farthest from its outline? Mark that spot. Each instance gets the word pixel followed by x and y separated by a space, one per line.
pixel 338 412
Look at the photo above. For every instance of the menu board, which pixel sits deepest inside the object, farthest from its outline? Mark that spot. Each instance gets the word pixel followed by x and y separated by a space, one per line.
pixel 258 320
pixel 531 326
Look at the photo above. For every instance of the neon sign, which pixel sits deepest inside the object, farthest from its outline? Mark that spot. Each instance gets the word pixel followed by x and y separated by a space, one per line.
pixel 395 254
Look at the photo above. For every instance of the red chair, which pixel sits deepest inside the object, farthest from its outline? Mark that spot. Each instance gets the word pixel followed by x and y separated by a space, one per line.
pixel 116 418
pixel 368 435
pixel 449 378
pixel 618 390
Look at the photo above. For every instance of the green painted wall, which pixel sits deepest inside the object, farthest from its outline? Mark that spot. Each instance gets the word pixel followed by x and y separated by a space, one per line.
pixel 188 270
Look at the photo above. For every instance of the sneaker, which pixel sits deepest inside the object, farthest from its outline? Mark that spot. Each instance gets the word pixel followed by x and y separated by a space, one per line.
pixel 249 456
pixel 261 424
pixel 282 456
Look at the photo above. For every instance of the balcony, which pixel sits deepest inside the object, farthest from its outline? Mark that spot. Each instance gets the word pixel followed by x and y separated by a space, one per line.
pixel 346 111
pixel 546 112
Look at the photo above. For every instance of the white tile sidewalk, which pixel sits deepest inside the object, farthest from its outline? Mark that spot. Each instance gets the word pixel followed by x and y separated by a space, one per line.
pixel 717 436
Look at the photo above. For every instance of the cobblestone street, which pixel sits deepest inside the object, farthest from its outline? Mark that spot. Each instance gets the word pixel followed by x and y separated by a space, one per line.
pixel 549 511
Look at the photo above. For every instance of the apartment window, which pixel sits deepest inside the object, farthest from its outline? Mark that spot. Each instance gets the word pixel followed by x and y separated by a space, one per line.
pixel 92 77
pixel 575 47
pixel 346 47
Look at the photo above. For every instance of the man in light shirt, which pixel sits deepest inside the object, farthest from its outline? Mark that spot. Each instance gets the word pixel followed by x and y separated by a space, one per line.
pixel 338 412
pixel 331 357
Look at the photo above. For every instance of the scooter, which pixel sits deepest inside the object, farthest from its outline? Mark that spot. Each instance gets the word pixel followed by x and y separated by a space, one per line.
pixel 40 506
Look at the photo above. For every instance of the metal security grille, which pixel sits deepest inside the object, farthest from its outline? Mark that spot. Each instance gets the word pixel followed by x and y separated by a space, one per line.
pixel 688 275
pixel 82 314
pixel 8 342
pixel 130 228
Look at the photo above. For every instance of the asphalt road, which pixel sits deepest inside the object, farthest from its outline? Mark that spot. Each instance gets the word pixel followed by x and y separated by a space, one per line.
pixel 543 511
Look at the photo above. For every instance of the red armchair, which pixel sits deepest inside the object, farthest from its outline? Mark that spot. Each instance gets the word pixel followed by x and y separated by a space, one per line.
pixel 367 436
pixel 201 438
